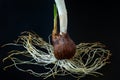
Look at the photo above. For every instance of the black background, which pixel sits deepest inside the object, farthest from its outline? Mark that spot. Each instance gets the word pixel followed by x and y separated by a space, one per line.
pixel 87 22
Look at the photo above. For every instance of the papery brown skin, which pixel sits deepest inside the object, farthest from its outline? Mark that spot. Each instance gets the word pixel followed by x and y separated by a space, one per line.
pixel 64 47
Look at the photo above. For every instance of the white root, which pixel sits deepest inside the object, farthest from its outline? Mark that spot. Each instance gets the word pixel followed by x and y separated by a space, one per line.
pixel 88 59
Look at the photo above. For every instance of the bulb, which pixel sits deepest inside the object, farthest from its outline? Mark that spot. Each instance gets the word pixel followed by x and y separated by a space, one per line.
pixel 64 47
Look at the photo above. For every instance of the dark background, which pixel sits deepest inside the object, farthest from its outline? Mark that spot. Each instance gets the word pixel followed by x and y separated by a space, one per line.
pixel 87 22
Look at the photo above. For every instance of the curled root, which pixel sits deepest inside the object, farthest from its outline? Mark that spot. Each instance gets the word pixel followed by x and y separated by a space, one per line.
pixel 89 57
